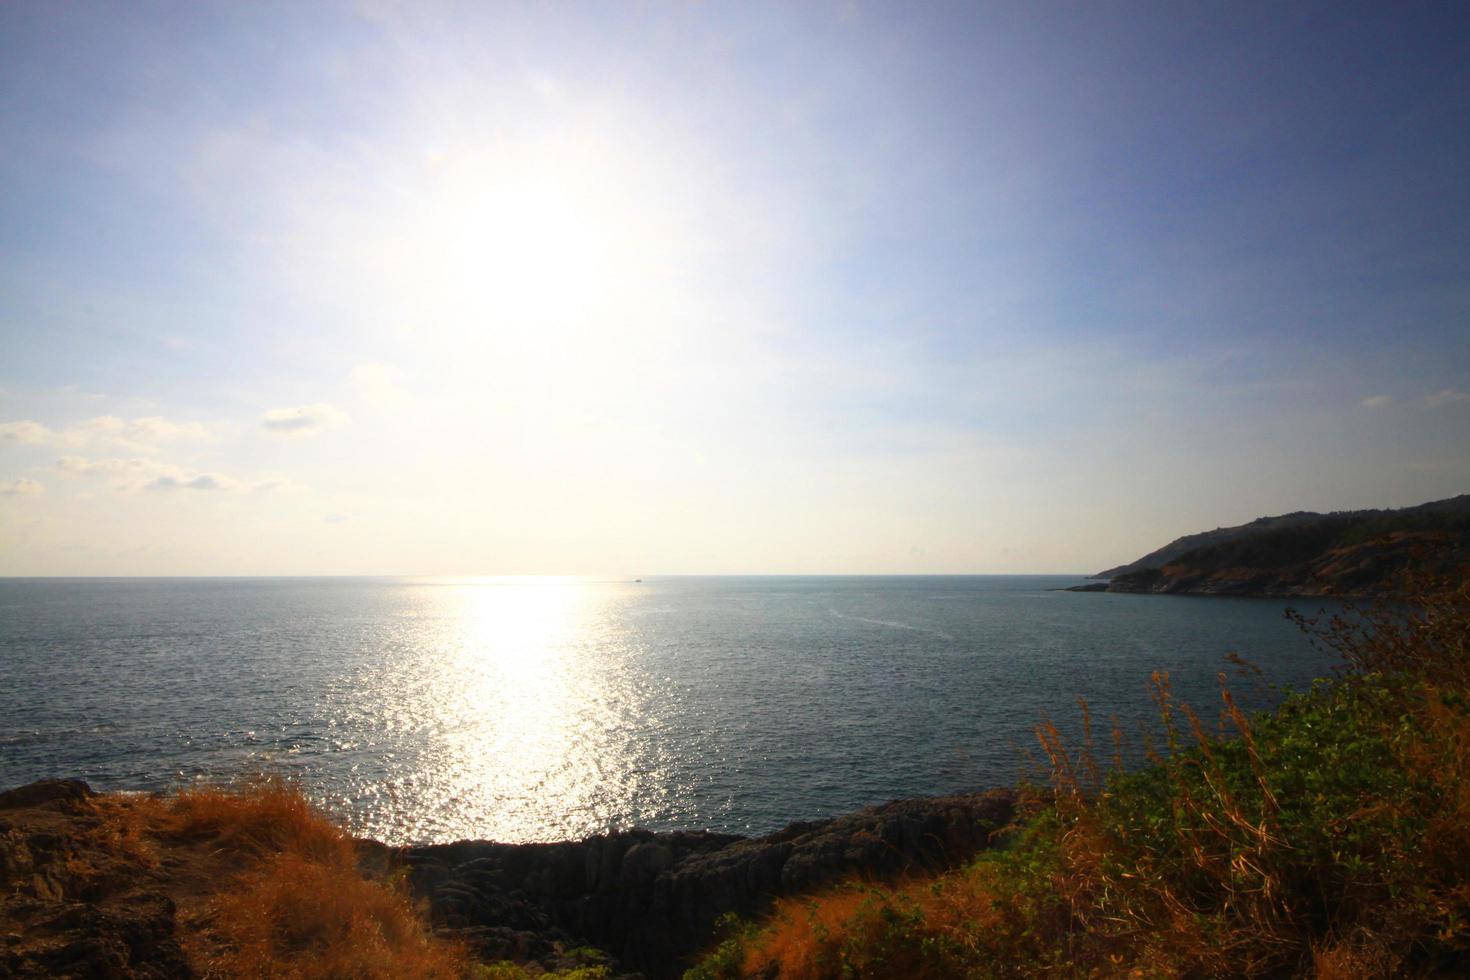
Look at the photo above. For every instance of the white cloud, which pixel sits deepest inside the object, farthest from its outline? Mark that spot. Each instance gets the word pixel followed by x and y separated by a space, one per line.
pixel 81 466
pixel 143 432
pixel 304 420
pixel 21 488
pixel 129 475
pixel 212 481
pixel 1448 396
pixel 25 431
pixel 137 435
pixel 102 425
pixel 376 384
pixel 1377 401
pixel 203 481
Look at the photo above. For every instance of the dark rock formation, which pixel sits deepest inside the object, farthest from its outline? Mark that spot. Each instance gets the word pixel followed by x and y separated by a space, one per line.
pixel 58 791
pixel 68 908
pixel 652 900
pixel 73 903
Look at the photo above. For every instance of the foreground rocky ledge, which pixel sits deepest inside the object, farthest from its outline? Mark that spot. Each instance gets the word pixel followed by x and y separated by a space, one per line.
pixel 60 919
pixel 650 900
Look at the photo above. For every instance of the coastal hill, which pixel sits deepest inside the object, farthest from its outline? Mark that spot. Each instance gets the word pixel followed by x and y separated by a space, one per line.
pixel 1345 553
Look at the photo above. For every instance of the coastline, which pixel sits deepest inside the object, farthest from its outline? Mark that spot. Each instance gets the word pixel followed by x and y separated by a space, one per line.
pixel 650 902
pixel 1349 801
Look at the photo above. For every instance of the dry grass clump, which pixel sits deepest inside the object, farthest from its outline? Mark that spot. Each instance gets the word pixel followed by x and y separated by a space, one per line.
pixel 267 886
pixel 1330 837
pixel 296 915
pixel 268 816
pixel 123 830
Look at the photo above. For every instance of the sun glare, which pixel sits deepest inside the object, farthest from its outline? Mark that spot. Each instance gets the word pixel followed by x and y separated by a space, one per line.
pixel 527 252
pixel 529 245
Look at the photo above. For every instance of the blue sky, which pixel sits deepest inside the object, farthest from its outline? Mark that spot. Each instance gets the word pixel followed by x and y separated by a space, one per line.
pixel 625 289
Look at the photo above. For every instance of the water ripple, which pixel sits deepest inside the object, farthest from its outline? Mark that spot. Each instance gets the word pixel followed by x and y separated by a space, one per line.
pixel 538 710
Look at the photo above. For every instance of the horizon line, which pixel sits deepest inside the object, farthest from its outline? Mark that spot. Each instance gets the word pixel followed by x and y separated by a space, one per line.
pixel 559 575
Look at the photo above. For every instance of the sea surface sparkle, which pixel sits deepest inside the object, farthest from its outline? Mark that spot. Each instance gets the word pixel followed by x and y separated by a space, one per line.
pixel 545 709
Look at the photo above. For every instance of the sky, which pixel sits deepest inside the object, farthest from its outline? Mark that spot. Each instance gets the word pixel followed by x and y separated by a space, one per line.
pixel 655 288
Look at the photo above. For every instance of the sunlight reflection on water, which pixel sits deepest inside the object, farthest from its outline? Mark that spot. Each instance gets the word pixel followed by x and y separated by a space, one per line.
pixel 546 709
pixel 525 712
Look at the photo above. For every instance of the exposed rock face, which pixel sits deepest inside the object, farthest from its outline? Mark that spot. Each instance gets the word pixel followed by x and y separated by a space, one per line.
pixel 652 900
pixel 72 910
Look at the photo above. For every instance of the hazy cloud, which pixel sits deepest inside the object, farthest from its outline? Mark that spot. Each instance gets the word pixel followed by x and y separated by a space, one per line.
pixel 142 432
pixel 376 384
pixel 335 519
pixel 1377 401
pixel 81 466
pixel 204 481
pixel 211 481
pixel 21 488
pixel 304 420
pixel 1449 396
pixel 25 431
pixel 138 473
pixel 138 435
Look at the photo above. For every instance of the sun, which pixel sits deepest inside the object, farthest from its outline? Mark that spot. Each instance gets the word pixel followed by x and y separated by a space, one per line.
pixel 538 241
pixel 553 280
pixel 534 251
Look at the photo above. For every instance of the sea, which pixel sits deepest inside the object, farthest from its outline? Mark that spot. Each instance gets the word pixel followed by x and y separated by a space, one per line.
pixel 535 709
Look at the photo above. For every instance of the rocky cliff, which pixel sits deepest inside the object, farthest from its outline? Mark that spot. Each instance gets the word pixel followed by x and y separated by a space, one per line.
pixel 652 900
pixel 70 906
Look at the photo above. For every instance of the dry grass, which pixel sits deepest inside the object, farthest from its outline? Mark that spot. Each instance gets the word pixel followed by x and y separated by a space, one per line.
pixel 788 949
pixel 269 887
pixel 298 916
pixel 268 816
pixel 923 928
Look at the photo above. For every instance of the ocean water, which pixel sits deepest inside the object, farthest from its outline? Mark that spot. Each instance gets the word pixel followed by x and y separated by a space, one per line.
pixel 543 709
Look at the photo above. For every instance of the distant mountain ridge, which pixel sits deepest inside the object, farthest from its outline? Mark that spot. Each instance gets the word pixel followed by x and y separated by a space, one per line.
pixel 1304 553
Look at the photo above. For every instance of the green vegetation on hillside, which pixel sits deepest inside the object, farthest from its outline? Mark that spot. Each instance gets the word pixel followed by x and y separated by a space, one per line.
pixel 1352 554
pixel 1304 552
pixel 1330 837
